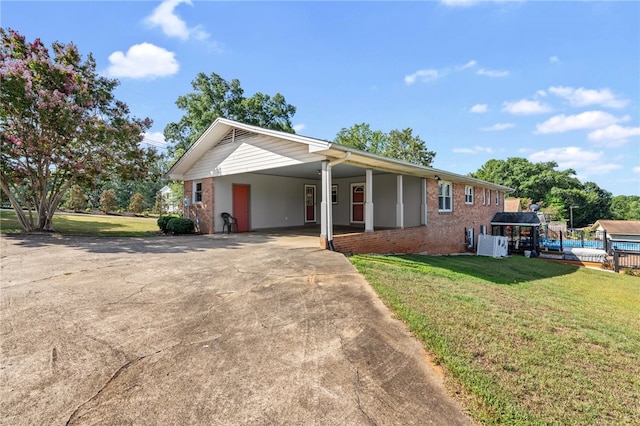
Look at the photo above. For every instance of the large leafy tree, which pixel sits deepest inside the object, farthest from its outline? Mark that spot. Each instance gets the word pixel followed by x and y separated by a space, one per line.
pixel 399 144
pixel 625 207
pixel 586 205
pixel 215 97
pixel 529 180
pixel 59 125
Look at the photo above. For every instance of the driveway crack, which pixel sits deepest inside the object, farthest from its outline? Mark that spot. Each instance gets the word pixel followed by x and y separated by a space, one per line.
pixel 129 296
pixel 115 375
pixel 357 381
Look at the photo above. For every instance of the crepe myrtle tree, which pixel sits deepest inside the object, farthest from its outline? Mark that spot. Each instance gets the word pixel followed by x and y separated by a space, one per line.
pixel 60 125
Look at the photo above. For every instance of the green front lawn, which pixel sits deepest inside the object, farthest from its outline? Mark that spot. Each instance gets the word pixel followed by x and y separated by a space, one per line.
pixel 89 225
pixel 522 341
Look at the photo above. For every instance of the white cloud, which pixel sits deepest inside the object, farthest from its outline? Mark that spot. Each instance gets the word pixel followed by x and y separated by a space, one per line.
pixel 602 169
pixel 525 107
pixel 554 59
pixel 299 127
pixel 143 60
pixel 497 127
pixel 582 97
pixel 586 120
pixel 474 150
pixel 614 133
pixel 155 138
pixel 479 108
pixel 492 73
pixel 459 3
pixel 468 65
pixel 172 25
pixel 573 157
pixel 430 74
pixel 636 169
pixel 422 75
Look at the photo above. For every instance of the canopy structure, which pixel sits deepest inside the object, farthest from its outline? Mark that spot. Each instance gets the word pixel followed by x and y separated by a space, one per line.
pixel 521 228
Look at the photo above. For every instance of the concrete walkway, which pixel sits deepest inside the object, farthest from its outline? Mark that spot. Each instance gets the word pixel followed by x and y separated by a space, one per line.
pixel 211 330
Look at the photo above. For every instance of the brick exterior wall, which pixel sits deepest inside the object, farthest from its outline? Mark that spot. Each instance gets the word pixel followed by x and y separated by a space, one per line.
pixel 443 234
pixel 201 212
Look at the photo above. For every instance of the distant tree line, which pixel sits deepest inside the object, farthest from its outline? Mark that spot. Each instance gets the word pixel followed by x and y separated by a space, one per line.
pixel 556 191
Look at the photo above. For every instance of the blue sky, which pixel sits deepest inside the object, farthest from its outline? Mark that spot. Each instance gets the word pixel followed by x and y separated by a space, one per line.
pixel 476 80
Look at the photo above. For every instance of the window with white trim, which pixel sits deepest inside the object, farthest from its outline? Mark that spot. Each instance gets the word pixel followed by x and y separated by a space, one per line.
pixel 484 196
pixel 197 192
pixel 497 198
pixel 488 197
pixel 468 194
pixel 445 198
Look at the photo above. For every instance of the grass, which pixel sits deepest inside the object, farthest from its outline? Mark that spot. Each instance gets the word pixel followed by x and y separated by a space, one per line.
pixel 89 225
pixel 522 341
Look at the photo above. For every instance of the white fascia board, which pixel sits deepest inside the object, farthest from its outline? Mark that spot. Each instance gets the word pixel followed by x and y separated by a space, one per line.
pixel 365 159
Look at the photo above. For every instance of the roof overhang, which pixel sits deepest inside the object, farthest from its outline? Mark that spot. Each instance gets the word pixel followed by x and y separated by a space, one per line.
pixel 221 126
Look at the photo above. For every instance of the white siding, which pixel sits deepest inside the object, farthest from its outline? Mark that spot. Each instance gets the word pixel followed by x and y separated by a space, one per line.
pixel 384 200
pixel 274 201
pixel 249 154
pixel 341 210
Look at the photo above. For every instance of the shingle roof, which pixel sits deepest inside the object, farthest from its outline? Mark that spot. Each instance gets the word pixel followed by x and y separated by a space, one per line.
pixel 626 227
pixel 510 218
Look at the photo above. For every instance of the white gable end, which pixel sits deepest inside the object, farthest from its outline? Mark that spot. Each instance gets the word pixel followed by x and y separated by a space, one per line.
pixel 250 152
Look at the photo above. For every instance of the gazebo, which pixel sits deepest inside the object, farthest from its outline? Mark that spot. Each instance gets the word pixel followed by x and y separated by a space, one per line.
pixel 521 228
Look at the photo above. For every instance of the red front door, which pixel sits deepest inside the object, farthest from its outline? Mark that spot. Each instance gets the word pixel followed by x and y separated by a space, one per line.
pixel 309 203
pixel 357 203
pixel 241 206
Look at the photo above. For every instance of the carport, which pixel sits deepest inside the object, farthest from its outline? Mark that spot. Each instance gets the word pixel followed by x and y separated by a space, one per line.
pixel 270 179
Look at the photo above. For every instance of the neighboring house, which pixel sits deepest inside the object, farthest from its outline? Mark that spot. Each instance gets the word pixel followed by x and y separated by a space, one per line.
pixel 618 230
pixel 168 199
pixel 270 179
pixel 512 205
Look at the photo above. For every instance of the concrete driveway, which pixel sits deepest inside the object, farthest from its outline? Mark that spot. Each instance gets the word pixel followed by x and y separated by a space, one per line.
pixel 215 330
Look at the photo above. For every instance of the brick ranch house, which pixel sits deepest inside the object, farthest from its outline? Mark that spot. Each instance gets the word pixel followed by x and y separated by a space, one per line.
pixel 271 179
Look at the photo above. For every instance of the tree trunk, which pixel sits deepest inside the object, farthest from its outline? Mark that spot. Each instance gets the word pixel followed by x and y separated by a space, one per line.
pixel 50 208
pixel 26 224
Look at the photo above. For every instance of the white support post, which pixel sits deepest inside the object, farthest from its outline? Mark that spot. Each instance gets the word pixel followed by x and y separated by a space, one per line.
pixel 368 201
pixel 423 203
pixel 399 203
pixel 326 200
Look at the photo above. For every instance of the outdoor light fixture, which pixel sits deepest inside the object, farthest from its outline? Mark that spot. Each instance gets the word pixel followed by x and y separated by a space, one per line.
pixel 436 177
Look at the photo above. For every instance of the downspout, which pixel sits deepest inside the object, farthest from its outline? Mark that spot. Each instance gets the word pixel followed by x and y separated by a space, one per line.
pixel 329 203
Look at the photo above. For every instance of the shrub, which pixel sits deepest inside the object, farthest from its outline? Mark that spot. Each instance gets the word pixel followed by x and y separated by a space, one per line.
pixel 159 206
pixel 77 199
pixel 108 201
pixel 136 204
pixel 178 225
pixel 162 223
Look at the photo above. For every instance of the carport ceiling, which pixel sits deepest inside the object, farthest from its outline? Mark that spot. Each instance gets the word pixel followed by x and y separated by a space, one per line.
pixel 312 171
